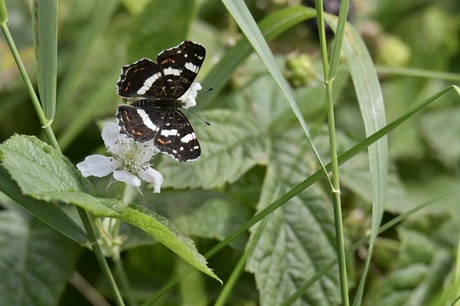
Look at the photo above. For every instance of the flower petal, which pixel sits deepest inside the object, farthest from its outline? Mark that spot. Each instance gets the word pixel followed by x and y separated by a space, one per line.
pixel 110 134
pixel 97 165
pixel 146 151
pixel 189 96
pixel 151 175
pixel 126 177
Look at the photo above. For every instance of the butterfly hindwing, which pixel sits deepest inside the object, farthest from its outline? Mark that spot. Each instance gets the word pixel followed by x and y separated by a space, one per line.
pixel 176 136
pixel 170 130
pixel 136 123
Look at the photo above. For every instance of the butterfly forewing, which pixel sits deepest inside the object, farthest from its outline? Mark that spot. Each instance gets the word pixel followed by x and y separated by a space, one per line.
pixel 155 87
pixel 140 79
pixel 180 66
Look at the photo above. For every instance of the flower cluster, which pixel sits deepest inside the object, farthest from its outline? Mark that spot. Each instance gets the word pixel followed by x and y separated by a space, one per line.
pixel 129 163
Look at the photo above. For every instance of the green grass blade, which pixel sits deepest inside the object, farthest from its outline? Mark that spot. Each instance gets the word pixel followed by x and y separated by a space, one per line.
pixel 34 99
pixel 296 295
pixel 44 18
pixel 339 35
pixel 420 73
pixel 370 100
pixel 271 27
pixel 69 88
pixel 304 185
pixel 249 27
pixel 329 77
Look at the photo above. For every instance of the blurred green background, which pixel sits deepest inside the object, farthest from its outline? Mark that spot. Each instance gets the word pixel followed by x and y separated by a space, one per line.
pixel 415 47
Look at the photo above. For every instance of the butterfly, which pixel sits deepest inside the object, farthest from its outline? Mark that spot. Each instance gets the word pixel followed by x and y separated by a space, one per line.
pixel 154 89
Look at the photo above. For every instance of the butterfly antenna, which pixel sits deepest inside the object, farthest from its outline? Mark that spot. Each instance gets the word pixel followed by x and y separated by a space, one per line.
pixel 209 89
pixel 199 117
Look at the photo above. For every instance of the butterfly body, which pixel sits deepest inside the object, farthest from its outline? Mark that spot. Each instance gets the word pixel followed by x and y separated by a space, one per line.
pixel 154 89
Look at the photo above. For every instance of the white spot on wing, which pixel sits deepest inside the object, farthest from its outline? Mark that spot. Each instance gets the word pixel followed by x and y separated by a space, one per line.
pixel 148 83
pixel 192 67
pixel 146 119
pixel 188 138
pixel 169 71
pixel 167 133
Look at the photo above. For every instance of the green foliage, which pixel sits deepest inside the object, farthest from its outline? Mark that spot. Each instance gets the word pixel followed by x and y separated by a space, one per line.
pixel 45 175
pixel 26 260
pixel 234 138
pixel 258 202
pixel 45 21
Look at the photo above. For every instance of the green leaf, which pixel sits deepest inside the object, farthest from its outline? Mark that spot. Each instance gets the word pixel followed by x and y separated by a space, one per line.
pixel 160 228
pixel 37 167
pixel 232 145
pixel 46 175
pixel 45 22
pixel 35 261
pixel 189 210
pixel 50 214
pixel 298 239
pixel 421 267
pixel 439 128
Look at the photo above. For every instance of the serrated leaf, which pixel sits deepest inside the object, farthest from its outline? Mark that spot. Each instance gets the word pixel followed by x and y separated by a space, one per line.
pixel 421 266
pixel 166 233
pixel 189 210
pixel 38 168
pixel 298 239
pixel 154 224
pixel 232 145
pixel 31 272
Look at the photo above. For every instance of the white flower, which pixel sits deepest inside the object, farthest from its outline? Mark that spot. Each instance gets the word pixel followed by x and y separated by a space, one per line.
pixel 129 162
pixel 188 98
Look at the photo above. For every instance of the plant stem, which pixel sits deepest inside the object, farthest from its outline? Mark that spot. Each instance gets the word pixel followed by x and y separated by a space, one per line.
pixel 89 226
pixel 124 280
pixel 35 101
pixel 333 154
